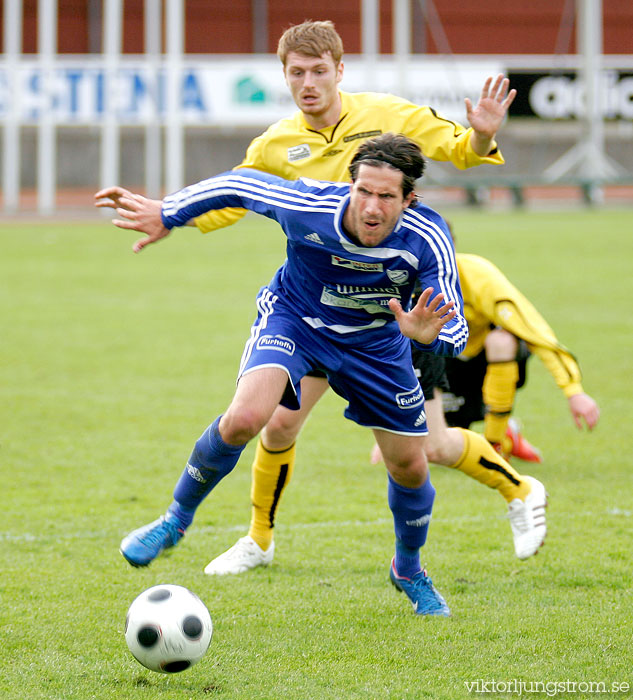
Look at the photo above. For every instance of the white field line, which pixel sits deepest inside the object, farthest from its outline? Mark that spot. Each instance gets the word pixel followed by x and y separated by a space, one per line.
pixel 219 529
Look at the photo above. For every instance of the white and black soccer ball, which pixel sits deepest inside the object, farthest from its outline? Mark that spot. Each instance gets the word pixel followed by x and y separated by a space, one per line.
pixel 168 628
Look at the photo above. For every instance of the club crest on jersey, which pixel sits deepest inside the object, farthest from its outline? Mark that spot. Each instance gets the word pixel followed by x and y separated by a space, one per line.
pixel 357 265
pixel 398 276
pixel 410 399
pixel 299 152
pixel 276 342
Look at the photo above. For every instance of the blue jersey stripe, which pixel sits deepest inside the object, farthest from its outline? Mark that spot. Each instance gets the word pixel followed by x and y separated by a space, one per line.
pixel 214 192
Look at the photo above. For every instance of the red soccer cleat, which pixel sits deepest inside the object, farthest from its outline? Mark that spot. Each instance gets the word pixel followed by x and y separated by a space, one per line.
pixel 521 448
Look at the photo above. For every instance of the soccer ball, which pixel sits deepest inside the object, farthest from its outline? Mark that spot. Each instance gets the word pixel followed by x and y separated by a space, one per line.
pixel 168 628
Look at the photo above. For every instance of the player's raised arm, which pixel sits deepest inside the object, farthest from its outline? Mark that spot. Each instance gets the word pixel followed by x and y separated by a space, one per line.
pixel 488 114
pixel 138 214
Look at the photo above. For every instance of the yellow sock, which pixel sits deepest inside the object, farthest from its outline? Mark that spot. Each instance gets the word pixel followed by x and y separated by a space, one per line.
pixel 499 390
pixel 482 462
pixel 271 472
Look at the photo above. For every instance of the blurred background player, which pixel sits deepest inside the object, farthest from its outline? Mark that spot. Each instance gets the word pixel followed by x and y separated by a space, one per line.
pixel 318 141
pixel 505 330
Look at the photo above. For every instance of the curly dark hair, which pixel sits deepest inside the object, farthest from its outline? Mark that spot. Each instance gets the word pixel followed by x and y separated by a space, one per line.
pixel 394 150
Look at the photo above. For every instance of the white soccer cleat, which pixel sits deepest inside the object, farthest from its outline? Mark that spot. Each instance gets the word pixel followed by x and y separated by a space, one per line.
pixel 527 520
pixel 245 554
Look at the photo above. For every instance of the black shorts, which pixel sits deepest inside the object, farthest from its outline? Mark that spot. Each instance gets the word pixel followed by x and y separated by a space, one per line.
pixel 463 402
pixel 430 370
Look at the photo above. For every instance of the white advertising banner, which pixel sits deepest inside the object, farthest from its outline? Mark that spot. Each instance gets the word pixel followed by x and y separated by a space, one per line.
pixel 218 91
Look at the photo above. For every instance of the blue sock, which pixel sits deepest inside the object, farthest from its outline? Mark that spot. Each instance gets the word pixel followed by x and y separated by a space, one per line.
pixel 180 515
pixel 407 560
pixel 211 460
pixel 411 509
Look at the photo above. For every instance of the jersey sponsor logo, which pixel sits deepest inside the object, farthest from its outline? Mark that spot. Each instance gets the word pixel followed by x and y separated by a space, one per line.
pixel 420 419
pixel 410 399
pixel 314 237
pixel 371 306
pixel 373 300
pixel 195 474
pixel 398 276
pixel 363 135
pixel 359 289
pixel 276 342
pixel 333 152
pixel 419 522
pixel 357 265
pixel 299 152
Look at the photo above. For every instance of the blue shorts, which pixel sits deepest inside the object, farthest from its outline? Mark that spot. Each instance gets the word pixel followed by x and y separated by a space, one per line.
pixel 376 378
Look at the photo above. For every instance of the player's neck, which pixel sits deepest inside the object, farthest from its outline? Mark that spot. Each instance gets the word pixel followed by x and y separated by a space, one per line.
pixel 327 118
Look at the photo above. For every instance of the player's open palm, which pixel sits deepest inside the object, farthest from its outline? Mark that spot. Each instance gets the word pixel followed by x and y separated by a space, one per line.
pixel 426 319
pixel 486 116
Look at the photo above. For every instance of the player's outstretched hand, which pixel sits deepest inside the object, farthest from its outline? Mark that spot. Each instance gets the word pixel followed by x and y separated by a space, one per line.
pixel 426 319
pixel 583 407
pixel 486 116
pixel 138 214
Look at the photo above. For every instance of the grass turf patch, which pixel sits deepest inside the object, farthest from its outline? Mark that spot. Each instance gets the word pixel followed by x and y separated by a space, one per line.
pixel 113 364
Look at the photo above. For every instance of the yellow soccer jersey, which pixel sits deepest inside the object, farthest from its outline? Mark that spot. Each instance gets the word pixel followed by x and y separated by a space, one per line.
pixel 291 149
pixel 490 298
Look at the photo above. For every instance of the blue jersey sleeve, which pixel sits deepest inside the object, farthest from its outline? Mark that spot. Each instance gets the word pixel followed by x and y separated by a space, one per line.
pixel 438 270
pixel 249 189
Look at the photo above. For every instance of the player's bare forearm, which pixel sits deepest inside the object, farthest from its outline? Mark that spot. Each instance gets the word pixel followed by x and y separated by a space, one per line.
pixel 137 213
pixel 482 145
pixel 426 319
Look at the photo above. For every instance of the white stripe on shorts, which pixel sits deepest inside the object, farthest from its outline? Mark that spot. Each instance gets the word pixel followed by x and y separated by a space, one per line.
pixel 265 303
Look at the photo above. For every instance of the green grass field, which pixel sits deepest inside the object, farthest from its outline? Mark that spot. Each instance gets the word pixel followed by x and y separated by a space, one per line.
pixel 111 366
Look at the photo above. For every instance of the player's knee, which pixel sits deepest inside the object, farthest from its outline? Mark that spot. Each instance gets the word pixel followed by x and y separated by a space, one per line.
pixel 408 472
pixel 282 429
pixel 501 346
pixel 238 427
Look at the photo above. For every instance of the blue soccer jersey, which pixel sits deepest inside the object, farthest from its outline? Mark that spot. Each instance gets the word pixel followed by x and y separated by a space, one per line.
pixel 337 287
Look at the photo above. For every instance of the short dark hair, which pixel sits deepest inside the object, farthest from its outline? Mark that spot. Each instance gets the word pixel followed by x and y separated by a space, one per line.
pixel 395 151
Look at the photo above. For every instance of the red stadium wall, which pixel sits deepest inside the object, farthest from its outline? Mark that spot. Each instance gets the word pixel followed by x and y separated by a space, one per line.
pixel 226 26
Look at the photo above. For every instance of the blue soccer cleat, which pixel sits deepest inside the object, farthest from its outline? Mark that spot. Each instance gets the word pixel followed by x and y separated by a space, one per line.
pixel 142 546
pixel 421 592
